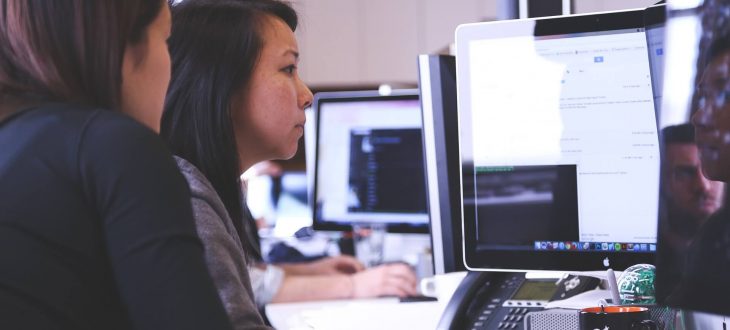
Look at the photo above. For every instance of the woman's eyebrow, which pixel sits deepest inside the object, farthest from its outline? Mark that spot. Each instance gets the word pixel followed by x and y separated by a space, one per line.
pixel 292 52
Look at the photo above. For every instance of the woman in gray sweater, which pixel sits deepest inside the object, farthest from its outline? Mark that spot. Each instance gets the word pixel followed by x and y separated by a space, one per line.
pixel 236 99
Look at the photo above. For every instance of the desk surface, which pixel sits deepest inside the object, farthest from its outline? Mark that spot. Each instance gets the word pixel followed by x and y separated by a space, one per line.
pixel 381 313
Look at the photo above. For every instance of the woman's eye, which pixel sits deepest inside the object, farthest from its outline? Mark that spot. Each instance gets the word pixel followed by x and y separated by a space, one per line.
pixel 290 69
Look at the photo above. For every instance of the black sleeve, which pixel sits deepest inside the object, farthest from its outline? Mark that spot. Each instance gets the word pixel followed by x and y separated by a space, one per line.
pixel 144 203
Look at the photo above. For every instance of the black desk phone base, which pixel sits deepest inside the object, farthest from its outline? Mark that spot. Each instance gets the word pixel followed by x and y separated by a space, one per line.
pixel 500 300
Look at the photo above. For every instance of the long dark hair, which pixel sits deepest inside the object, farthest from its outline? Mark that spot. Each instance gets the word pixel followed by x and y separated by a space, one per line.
pixel 214 47
pixel 69 51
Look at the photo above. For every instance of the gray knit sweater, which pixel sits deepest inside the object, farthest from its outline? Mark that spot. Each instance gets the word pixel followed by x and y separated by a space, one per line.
pixel 223 251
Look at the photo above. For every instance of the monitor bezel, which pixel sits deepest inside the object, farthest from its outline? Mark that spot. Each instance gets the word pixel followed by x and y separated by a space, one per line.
pixel 437 84
pixel 353 96
pixel 503 260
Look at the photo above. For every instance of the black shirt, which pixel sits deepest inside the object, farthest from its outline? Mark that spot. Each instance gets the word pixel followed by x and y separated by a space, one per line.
pixel 96 228
pixel 704 284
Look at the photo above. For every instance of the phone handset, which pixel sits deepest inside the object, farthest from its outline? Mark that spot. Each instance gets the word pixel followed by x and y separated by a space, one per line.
pixel 474 285
pixel 571 285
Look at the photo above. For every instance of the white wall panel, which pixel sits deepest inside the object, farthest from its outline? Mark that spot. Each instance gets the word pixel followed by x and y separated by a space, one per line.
pixel 589 6
pixel 356 42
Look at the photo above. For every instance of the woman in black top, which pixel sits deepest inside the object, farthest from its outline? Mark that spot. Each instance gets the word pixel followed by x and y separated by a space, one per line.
pixel 96 230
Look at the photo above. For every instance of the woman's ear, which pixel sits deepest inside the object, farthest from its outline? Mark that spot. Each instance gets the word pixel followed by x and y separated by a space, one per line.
pixel 134 55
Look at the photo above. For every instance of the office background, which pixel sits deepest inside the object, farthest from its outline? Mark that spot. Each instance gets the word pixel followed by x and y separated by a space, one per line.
pixel 357 44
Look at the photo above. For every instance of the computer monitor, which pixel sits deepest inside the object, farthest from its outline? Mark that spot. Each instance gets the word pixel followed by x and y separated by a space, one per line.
pixel 558 142
pixel 437 85
pixel 369 161
pixel 693 263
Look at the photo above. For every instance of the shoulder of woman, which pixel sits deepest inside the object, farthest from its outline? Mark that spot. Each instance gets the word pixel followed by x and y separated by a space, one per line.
pixel 120 141
pixel 199 184
pixel 211 215
pixel 95 138
pixel 202 191
pixel 74 118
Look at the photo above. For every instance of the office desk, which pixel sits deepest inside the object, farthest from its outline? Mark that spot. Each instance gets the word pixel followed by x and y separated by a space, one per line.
pixel 381 313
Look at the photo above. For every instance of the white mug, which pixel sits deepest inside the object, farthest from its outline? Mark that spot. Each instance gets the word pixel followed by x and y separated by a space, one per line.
pixel 441 286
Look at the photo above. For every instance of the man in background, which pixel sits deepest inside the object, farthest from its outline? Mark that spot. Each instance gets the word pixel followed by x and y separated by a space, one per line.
pixel 688 198
pixel 691 198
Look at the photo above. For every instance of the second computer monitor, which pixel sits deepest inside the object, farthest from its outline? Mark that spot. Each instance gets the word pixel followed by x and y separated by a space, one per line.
pixel 369 161
pixel 437 83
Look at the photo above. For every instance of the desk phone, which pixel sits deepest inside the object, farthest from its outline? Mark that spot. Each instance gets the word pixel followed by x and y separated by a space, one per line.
pixel 500 300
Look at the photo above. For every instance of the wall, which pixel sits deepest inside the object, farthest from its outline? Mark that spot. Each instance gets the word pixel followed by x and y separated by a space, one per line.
pixel 359 42
pixel 589 6
pixel 369 42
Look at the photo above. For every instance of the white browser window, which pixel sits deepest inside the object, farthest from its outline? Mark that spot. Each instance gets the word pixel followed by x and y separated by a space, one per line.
pixel 583 100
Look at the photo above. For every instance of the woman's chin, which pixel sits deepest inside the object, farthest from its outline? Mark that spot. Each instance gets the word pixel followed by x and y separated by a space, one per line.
pixel 287 155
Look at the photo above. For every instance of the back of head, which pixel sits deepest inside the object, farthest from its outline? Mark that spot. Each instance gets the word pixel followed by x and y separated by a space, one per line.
pixel 68 51
pixel 214 47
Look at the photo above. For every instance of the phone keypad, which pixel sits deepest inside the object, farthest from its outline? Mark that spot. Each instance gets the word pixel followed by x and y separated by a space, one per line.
pixel 513 319
pixel 500 312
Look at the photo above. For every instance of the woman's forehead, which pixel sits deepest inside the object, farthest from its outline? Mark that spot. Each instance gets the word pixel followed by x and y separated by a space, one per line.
pixel 277 33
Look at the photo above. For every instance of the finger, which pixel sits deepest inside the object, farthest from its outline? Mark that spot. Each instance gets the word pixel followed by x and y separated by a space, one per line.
pixel 404 272
pixel 399 288
pixel 405 284
pixel 402 285
pixel 391 289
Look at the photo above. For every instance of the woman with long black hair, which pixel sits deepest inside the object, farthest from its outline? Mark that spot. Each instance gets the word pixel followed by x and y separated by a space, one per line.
pixel 236 99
